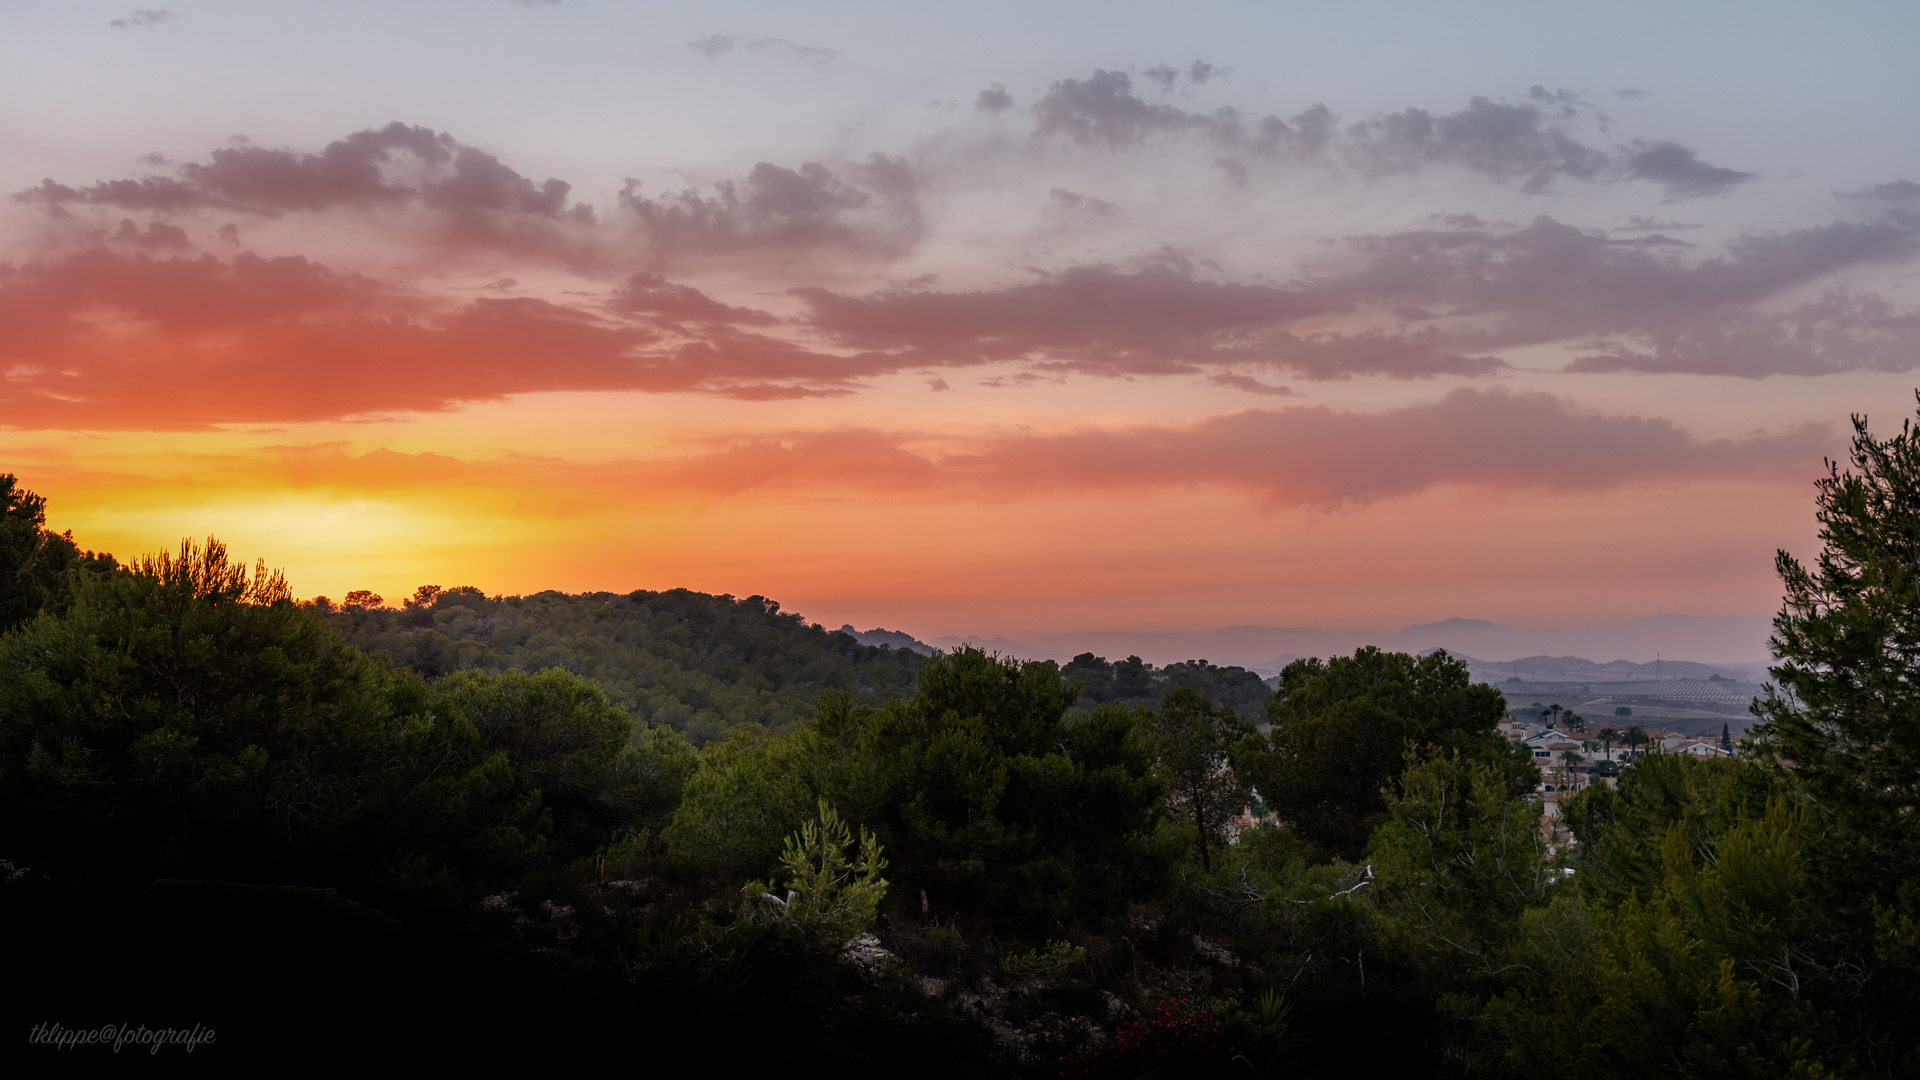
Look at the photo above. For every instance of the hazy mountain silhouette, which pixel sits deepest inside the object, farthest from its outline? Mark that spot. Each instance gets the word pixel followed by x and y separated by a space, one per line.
pixel 1267 648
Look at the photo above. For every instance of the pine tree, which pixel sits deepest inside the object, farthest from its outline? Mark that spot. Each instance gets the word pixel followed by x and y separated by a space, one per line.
pixel 1843 729
pixel 1846 718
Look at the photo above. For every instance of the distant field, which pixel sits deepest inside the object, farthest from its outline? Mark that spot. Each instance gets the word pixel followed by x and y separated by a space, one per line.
pixel 1681 705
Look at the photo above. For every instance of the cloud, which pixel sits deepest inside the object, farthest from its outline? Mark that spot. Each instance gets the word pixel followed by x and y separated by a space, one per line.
pixel 1637 223
pixel 1157 320
pixel 1896 191
pixel 654 296
pixel 1498 140
pixel 101 340
pixel 1526 142
pixel 1074 202
pixel 159 235
pixel 1200 73
pixel 1316 456
pixel 145 19
pixel 994 99
pixel 1680 170
pixel 1299 456
pixel 1250 384
pixel 1412 304
pixel 715 46
pixel 1839 331
pixel 872 208
pixel 1550 282
pixel 469 199
pixel 397 165
pixel 1104 109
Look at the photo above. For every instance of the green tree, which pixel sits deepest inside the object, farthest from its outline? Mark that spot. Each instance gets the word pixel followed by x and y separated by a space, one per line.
pixel 186 710
pixel 1634 736
pixel 1458 864
pixel 697 663
pixel 833 888
pixel 1341 729
pixel 584 758
pixel 1195 743
pixel 1847 712
pixel 35 562
pixel 990 798
pixel 750 790
pixel 1843 728
pixel 1701 954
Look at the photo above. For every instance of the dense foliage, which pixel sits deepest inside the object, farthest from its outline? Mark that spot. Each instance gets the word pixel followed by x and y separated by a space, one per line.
pixel 1133 681
pixel 960 864
pixel 34 561
pixel 1340 733
pixel 699 664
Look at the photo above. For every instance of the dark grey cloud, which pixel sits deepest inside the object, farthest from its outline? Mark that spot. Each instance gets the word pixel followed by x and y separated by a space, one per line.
pixel 1840 331
pixel 1637 223
pixel 715 46
pixel 1200 73
pixel 1525 143
pixel 158 235
pixel 1074 202
pixel 1895 191
pixel 395 165
pixel 1157 320
pixel 145 19
pixel 1250 384
pixel 1104 109
pixel 1680 170
pixel 464 196
pixel 1646 304
pixel 655 297
pixel 471 198
pixel 1563 103
pixel 994 99
pixel 1439 301
pixel 872 207
pixel 478 182
pixel 1502 141
pixel 1578 280
pixel 1167 77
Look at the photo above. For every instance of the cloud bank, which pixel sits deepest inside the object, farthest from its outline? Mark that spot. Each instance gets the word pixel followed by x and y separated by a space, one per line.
pixel 138 305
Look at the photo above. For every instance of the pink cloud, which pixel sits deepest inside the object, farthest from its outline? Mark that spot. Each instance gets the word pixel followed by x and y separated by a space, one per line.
pixel 1308 456
pixel 101 340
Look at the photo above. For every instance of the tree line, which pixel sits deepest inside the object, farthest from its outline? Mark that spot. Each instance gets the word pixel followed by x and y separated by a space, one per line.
pixel 964 864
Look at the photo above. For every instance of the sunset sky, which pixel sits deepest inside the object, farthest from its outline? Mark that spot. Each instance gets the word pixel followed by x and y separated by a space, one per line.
pixel 983 318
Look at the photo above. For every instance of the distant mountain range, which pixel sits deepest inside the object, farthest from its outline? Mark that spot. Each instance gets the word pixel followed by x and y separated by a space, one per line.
pixel 1737 644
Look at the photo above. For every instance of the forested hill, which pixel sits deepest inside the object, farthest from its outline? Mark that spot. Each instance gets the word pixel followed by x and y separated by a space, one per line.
pixel 702 664
pixel 697 662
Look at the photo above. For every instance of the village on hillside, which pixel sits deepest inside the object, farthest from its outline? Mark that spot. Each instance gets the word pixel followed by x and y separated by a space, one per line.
pixel 1574 753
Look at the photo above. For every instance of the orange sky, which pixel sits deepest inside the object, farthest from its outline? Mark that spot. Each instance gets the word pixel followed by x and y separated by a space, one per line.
pixel 1126 347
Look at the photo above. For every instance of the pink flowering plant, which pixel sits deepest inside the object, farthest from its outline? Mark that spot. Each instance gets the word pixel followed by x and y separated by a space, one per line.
pixel 1182 1032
